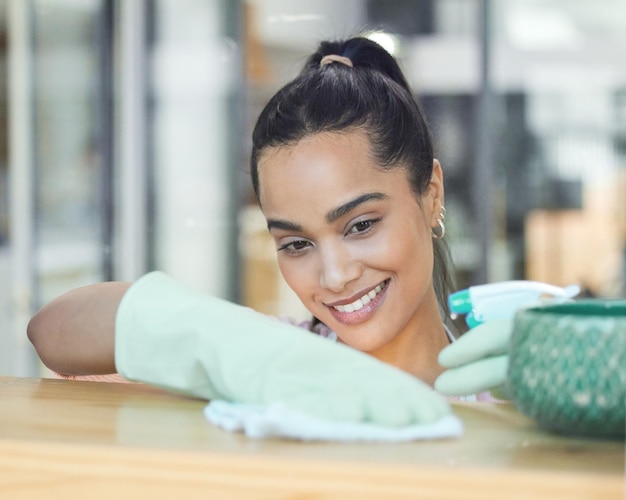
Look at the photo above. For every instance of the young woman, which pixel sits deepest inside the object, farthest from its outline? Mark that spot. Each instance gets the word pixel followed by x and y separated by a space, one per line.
pixel 343 168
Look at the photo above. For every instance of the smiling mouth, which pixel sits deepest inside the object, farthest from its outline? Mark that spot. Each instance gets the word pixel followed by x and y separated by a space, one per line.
pixel 358 304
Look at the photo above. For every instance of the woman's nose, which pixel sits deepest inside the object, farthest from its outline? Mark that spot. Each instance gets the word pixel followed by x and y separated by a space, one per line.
pixel 338 268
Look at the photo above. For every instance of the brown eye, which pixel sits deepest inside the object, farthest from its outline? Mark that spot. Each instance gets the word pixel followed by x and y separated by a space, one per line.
pixel 359 227
pixel 295 247
pixel 362 226
pixel 299 245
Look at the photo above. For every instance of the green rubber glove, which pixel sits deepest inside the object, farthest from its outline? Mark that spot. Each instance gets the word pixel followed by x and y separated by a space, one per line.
pixel 477 361
pixel 169 336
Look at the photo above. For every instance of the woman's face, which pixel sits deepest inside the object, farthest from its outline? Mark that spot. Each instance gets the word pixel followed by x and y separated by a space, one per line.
pixel 353 241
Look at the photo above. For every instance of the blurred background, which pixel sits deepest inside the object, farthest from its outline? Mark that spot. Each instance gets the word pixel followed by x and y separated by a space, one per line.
pixel 125 126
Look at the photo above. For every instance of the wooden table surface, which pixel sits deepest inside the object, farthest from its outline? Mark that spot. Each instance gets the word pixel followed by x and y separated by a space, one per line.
pixel 68 439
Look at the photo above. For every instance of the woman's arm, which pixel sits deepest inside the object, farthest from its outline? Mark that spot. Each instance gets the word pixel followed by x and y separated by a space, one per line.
pixel 75 333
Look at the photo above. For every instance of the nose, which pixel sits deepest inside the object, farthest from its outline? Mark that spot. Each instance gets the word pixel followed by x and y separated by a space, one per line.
pixel 337 268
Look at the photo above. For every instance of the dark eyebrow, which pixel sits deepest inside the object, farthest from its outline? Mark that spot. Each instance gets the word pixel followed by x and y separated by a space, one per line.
pixel 283 224
pixel 331 216
pixel 342 210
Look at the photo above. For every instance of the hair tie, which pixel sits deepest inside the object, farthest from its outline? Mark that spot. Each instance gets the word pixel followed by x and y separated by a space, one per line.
pixel 331 58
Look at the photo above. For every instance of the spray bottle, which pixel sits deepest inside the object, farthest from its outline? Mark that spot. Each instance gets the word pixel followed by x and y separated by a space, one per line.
pixel 483 303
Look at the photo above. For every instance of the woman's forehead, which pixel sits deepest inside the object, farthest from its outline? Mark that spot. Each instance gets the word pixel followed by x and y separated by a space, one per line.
pixel 323 173
pixel 320 162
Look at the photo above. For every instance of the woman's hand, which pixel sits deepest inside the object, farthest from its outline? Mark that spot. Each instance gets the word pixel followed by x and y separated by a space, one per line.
pixel 172 337
pixel 478 361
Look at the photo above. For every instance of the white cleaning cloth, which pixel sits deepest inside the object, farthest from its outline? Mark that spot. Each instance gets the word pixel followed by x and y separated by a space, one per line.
pixel 277 421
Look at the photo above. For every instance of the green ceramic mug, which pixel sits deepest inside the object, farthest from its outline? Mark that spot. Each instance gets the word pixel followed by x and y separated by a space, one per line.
pixel 567 367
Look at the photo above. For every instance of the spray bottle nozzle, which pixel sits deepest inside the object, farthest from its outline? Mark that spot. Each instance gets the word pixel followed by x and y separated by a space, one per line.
pixel 460 302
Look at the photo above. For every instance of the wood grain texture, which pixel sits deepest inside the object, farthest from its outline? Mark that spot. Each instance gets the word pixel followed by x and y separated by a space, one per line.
pixel 68 439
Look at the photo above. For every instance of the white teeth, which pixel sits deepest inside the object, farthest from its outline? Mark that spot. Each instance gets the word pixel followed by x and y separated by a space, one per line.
pixel 359 303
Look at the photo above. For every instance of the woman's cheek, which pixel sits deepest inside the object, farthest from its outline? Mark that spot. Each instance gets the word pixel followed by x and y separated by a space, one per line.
pixel 296 273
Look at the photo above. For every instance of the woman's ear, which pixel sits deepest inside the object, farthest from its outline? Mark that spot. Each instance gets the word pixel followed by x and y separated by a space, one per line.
pixel 435 192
